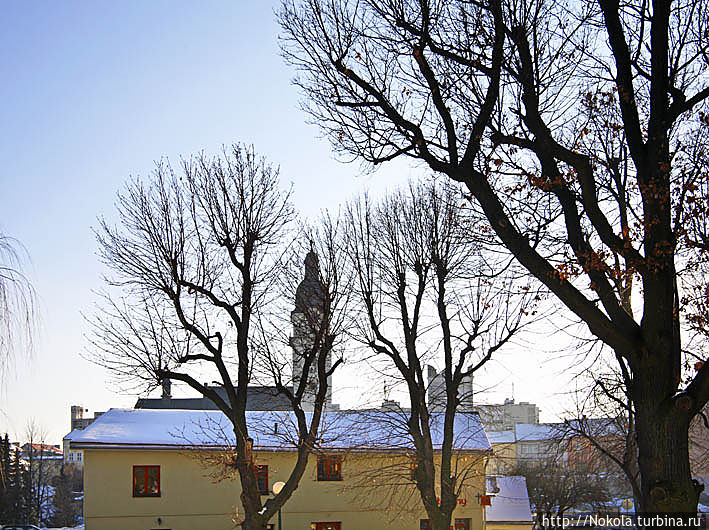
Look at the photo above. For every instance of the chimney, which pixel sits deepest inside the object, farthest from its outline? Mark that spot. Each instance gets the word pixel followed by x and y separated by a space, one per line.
pixel 166 389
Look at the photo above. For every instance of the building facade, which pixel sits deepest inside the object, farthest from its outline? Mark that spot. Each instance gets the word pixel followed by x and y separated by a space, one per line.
pixel 437 391
pixel 79 421
pixel 141 472
pixel 504 416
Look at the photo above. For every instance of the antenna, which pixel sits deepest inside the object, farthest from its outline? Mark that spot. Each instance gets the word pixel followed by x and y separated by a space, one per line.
pixel 513 390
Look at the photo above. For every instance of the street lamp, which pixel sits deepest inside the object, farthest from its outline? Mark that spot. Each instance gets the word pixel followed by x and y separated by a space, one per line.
pixel 276 489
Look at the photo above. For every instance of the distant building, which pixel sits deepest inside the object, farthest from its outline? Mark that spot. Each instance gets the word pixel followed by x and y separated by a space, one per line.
pixel 539 441
pixel 437 391
pixel 310 296
pixel 33 450
pixel 79 422
pixel 504 416
pixel 45 461
pixel 495 417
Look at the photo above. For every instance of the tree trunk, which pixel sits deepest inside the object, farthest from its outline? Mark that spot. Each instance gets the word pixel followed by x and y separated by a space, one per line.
pixel 662 423
pixel 254 524
pixel 440 522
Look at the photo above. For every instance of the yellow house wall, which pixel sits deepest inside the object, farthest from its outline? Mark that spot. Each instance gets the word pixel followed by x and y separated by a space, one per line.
pixel 191 501
pixel 503 459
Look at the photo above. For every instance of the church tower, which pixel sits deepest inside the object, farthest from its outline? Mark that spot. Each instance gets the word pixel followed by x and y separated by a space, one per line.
pixel 310 298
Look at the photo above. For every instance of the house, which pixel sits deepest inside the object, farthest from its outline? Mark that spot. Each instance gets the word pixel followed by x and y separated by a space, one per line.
pixel 151 468
pixel 74 457
pixel 538 441
pixel 509 504
pixel 44 460
pixel 40 451
pixel 503 452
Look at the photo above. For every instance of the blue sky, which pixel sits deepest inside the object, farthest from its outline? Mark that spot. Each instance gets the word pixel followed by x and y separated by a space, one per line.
pixel 96 91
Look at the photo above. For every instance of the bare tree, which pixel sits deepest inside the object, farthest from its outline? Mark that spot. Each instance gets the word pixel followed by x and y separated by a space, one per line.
pixel 576 127
pixel 196 260
pixel 38 460
pixel 425 299
pixel 18 303
pixel 555 487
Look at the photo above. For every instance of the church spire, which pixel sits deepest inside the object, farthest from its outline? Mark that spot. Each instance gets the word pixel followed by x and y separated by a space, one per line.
pixel 311 292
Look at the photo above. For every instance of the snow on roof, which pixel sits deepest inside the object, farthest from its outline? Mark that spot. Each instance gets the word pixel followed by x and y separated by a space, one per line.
pixel 363 430
pixel 72 434
pixel 535 432
pixel 594 426
pixel 511 502
pixel 501 437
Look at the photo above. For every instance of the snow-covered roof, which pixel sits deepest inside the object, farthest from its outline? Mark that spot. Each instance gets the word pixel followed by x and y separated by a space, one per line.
pixel 594 426
pixel 510 502
pixel 70 437
pixel 535 432
pixel 501 437
pixel 363 430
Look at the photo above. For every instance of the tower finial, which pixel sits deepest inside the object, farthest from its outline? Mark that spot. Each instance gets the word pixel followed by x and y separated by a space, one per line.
pixel 311 265
pixel 311 293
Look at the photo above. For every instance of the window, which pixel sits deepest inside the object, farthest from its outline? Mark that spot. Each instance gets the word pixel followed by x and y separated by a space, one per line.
pixel 425 524
pixel 262 479
pixel 270 526
pixel 462 524
pixel 329 468
pixel 146 481
pixel 412 471
pixel 326 526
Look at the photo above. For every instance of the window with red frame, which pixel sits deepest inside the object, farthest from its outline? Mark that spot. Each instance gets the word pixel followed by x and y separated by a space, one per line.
pixel 262 479
pixel 326 526
pixel 146 481
pixel 329 467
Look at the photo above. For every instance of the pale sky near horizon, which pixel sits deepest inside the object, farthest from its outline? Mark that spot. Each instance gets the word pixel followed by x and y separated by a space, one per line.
pixel 94 92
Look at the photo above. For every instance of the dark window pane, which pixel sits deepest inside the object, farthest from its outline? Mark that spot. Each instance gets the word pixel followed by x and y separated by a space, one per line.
pixel 262 479
pixel 153 482
pixel 138 481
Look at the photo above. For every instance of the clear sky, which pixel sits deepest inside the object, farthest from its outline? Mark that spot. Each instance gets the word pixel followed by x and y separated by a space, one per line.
pixel 95 91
